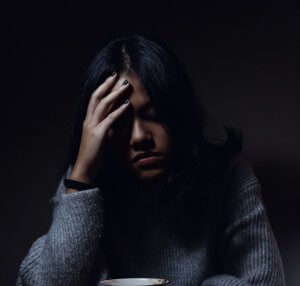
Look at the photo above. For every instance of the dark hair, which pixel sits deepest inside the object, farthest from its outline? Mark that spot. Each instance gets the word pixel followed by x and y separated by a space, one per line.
pixel 199 160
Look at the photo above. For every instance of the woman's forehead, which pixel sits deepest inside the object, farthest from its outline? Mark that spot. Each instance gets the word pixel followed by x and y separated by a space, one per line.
pixel 137 94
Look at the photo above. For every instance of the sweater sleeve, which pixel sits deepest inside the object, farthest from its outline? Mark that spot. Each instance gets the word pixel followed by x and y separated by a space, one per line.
pixel 66 254
pixel 249 252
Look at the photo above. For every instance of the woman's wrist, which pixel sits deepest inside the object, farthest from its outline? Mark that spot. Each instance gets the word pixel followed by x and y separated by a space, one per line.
pixel 77 181
pixel 77 185
pixel 78 175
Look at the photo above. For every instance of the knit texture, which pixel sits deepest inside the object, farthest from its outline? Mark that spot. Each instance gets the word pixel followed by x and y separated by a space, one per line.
pixel 234 247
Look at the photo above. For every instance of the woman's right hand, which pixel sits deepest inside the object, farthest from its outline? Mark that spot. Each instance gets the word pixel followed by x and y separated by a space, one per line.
pixel 99 119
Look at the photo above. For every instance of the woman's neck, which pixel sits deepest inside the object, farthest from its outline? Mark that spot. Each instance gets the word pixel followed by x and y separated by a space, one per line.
pixel 149 193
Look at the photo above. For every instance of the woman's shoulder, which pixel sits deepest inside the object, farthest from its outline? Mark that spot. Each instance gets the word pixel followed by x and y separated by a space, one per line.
pixel 242 174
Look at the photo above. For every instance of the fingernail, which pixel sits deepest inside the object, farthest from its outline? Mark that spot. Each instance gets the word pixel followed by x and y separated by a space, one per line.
pixel 126 101
pixel 113 74
pixel 125 82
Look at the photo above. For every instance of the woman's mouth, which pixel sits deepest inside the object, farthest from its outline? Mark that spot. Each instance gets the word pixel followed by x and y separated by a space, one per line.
pixel 148 160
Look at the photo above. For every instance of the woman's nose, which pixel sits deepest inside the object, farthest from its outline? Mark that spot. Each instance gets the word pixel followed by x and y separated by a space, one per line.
pixel 139 133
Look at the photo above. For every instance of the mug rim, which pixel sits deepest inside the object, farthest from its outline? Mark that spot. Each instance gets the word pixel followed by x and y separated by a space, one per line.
pixel 162 281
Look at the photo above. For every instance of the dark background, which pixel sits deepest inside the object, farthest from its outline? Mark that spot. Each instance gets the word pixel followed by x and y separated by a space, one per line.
pixel 242 56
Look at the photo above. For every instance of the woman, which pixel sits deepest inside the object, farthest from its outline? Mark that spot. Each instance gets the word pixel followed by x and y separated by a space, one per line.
pixel 146 191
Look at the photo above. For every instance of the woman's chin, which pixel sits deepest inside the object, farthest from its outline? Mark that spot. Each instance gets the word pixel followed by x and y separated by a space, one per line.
pixel 149 175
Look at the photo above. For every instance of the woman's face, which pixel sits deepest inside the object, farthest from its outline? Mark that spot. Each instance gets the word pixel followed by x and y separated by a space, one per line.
pixel 139 130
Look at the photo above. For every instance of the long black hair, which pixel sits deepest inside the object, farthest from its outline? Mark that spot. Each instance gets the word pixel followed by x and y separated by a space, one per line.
pixel 198 160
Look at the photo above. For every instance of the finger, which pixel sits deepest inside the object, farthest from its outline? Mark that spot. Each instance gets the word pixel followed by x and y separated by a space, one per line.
pixel 113 116
pixel 104 106
pixel 98 93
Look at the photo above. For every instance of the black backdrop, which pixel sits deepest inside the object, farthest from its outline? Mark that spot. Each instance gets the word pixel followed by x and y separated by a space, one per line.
pixel 243 57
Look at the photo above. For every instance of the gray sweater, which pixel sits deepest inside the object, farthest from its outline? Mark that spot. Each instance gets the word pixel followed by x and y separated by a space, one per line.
pixel 148 240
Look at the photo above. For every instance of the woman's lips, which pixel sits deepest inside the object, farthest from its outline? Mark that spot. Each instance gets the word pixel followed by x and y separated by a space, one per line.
pixel 148 160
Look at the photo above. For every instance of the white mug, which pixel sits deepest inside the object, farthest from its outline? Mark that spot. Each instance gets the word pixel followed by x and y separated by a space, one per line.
pixel 134 282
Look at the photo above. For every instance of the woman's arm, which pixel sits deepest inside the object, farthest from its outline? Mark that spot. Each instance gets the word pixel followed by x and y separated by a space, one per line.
pixel 249 252
pixel 66 254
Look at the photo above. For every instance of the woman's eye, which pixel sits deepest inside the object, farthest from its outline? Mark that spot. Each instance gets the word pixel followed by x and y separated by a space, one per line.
pixel 152 116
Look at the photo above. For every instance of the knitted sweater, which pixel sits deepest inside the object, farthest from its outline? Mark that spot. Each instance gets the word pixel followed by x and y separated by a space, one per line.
pixel 147 240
